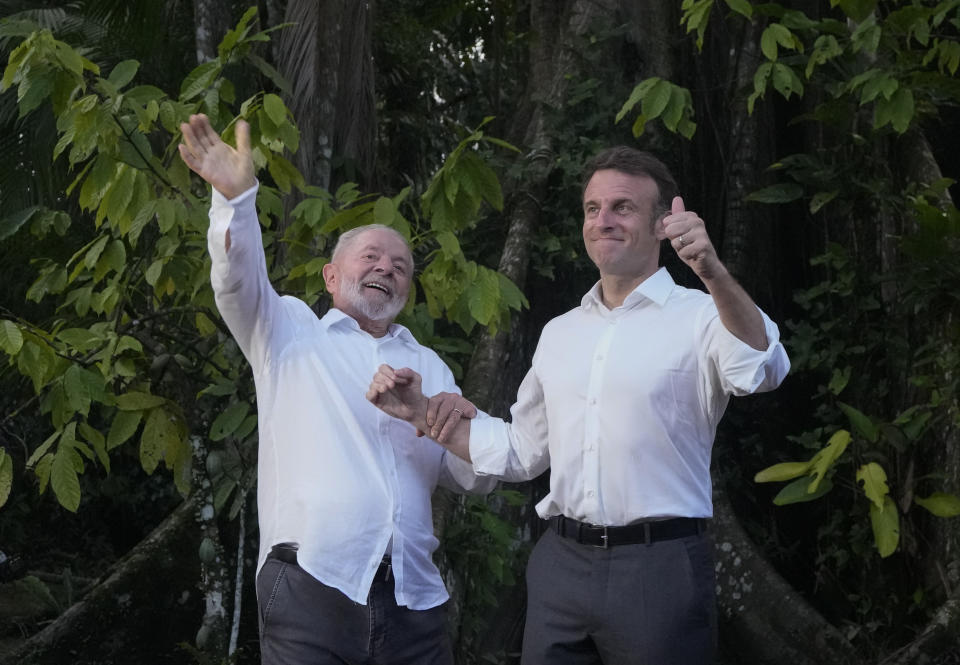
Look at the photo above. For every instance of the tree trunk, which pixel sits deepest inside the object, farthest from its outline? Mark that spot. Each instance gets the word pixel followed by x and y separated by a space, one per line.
pixel 326 55
pixel 499 361
pixel 146 602
pixel 764 620
pixel 212 20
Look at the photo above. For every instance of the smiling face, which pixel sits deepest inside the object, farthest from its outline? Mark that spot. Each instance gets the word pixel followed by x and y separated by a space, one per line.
pixel 369 277
pixel 619 231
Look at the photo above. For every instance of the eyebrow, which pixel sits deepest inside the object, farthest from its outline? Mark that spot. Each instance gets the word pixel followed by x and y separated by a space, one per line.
pixel 373 247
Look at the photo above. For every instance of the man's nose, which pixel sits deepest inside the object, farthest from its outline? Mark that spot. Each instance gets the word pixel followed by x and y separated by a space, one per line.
pixel 604 218
pixel 383 266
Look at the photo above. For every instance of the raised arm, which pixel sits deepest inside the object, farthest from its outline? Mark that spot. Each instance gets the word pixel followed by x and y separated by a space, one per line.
pixel 738 313
pixel 246 299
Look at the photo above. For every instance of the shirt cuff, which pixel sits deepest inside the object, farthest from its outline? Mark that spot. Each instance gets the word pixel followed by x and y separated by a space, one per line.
pixel 751 370
pixel 222 213
pixel 489 459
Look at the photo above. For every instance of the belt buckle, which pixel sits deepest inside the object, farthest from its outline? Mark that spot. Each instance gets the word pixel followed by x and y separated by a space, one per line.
pixel 604 539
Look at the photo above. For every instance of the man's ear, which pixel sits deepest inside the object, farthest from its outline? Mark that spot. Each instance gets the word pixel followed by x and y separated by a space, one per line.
pixel 331 278
pixel 659 229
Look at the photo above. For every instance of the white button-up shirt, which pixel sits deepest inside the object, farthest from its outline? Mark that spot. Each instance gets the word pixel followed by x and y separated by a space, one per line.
pixel 623 405
pixel 336 475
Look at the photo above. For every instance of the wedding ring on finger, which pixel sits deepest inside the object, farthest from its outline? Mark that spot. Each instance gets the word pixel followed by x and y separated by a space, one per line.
pixel 683 243
pixel 458 411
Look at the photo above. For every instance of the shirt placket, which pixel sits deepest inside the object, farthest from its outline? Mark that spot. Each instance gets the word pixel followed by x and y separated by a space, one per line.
pixel 388 456
pixel 592 490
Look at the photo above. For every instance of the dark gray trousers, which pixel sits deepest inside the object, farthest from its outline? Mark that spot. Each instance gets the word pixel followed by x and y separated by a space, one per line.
pixel 305 622
pixel 626 605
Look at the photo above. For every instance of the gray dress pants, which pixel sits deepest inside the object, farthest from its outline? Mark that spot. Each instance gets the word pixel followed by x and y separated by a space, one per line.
pixel 647 604
pixel 305 622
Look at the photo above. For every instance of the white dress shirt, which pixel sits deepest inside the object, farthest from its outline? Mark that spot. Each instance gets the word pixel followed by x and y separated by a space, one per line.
pixel 336 475
pixel 623 405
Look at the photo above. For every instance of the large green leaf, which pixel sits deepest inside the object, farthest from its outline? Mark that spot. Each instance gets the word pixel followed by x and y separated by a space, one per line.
pixel 66 466
pixel 825 458
pixel 886 526
pixel 138 401
pixel 940 504
pixel 782 471
pixel 124 425
pixel 11 339
pixel 229 420
pixel 799 491
pixel 6 476
pixel 874 480
pixel 159 432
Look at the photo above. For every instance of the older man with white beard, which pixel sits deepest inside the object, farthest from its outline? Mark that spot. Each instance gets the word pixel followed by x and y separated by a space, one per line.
pixel 345 573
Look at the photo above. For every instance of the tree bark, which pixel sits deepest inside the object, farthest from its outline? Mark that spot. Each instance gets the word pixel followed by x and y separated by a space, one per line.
pixel 764 620
pixel 326 55
pixel 157 578
pixel 211 20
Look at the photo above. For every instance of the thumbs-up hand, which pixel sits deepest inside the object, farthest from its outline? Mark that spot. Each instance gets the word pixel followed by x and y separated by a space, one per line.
pixel 688 236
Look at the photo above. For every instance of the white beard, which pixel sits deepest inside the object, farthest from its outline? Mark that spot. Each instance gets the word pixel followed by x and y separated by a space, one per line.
pixel 375 310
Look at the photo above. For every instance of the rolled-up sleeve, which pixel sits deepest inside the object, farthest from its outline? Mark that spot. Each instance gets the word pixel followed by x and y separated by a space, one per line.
pixel 742 369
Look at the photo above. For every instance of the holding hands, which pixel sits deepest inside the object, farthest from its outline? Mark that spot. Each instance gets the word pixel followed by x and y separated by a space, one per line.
pixel 398 393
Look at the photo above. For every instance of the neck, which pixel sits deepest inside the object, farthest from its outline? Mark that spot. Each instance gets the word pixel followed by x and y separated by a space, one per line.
pixel 374 327
pixel 614 289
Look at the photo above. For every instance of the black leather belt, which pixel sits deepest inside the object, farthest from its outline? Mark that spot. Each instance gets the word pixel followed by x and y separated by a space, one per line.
pixel 287 553
pixel 631 534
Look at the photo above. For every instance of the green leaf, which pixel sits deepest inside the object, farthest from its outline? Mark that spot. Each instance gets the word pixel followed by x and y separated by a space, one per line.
pixel 821 199
pixel 824 459
pixel 483 296
pixel 742 7
pixel 96 439
pixel 82 386
pixel 159 432
pixel 655 101
pixel 449 244
pixel 124 424
pixel 275 108
pixel 782 471
pixel 12 223
pixel 199 80
pixel 138 401
pixel 940 504
pixel 6 476
pixel 63 475
pixel 886 527
pixel 229 420
pixel 799 491
pixel 11 339
pixel 782 193
pixel 874 480
pixel 860 422
pixel 123 73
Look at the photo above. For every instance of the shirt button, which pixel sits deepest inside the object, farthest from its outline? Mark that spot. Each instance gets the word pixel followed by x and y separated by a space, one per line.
pixel 593 400
pixel 590 492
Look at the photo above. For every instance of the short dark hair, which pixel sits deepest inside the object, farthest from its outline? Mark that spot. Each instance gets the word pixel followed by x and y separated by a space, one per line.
pixel 637 163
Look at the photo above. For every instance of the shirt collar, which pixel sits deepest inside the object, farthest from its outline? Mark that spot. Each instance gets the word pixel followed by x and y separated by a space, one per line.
pixel 336 318
pixel 657 288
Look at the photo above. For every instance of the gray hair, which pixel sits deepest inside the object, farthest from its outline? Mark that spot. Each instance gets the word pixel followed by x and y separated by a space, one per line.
pixel 347 238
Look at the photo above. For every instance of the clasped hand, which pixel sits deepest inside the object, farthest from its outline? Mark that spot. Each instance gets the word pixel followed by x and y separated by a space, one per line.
pixel 398 393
